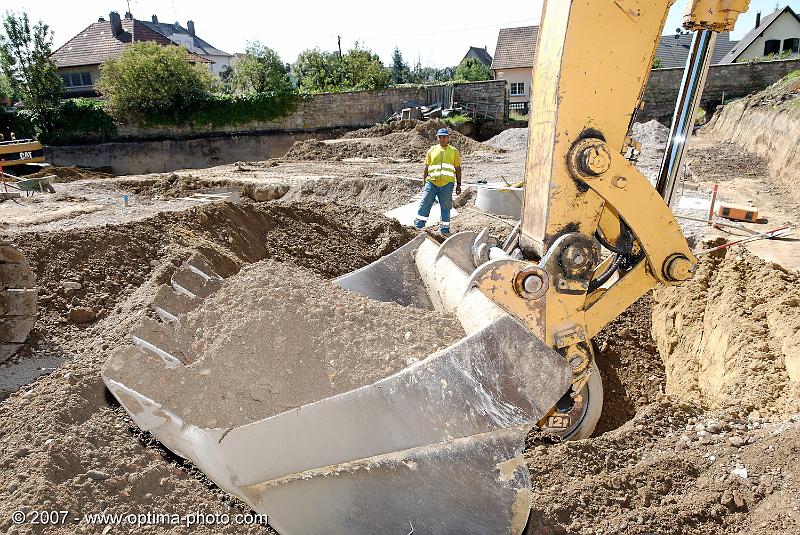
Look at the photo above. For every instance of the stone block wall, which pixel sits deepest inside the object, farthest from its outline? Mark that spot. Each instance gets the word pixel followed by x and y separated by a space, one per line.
pixel 354 109
pixel 724 81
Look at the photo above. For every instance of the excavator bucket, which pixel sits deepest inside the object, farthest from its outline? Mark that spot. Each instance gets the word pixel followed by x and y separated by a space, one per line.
pixel 434 448
pixel 17 299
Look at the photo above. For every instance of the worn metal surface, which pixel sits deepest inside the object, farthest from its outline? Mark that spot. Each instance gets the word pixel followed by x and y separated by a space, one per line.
pixel 391 278
pixel 460 415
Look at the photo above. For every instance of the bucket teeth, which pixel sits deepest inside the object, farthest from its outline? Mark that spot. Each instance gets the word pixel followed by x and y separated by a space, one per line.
pixel 192 281
pixel 159 339
pixel 170 304
pixel 17 299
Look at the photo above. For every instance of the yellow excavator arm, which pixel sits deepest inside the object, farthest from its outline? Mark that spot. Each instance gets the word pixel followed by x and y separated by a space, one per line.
pixel 591 68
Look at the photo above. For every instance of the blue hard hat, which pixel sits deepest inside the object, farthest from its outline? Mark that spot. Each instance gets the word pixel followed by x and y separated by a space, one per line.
pixel 443 132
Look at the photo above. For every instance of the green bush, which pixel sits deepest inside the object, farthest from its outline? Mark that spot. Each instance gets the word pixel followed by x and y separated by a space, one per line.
pixel 472 70
pixel 260 70
pixel 81 120
pixel 222 110
pixel 328 72
pixel 152 80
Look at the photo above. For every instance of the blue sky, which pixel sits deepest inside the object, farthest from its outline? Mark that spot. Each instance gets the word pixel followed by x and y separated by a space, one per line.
pixel 437 33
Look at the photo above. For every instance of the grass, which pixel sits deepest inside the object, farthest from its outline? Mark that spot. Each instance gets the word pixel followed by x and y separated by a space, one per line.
pixel 514 116
pixel 456 119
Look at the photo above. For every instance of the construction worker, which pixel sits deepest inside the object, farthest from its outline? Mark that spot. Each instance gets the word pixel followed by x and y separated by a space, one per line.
pixel 442 173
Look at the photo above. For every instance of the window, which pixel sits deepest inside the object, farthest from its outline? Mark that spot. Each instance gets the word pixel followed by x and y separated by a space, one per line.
pixel 791 45
pixel 517 88
pixel 77 79
pixel 772 46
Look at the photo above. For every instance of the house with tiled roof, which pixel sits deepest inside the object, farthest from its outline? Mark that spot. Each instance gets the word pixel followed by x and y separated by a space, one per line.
pixel 777 34
pixel 188 38
pixel 673 50
pixel 481 54
pixel 513 62
pixel 78 60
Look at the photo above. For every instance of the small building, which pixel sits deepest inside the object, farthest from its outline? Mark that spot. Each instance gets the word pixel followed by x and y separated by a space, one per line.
pixel 513 62
pixel 187 38
pixel 481 54
pixel 777 34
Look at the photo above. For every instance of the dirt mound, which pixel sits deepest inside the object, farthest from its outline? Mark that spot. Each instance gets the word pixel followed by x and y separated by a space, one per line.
pixel 382 129
pixel 673 469
pixel 376 194
pixel 169 185
pixel 729 162
pixel 653 137
pixel 764 124
pixel 630 366
pixel 731 335
pixel 510 139
pixel 408 145
pixel 71 174
pixel 93 268
pixel 61 446
pixel 297 358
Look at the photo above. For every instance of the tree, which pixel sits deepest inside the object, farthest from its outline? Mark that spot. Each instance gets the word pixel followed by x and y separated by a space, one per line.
pixel 25 61
pixel 401 74
pixel 318 71
pixel 472 70
pixel 150 80
pixel 260 71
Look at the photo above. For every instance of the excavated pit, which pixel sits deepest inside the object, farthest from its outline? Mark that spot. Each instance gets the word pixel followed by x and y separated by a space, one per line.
pixel 698 379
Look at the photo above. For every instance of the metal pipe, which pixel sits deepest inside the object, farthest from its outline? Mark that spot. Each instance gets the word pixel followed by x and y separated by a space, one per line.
pixel 694 78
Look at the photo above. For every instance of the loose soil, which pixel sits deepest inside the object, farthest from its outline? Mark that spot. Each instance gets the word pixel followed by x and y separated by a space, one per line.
pixel 407 144
pixel 294 334
pixel 62 447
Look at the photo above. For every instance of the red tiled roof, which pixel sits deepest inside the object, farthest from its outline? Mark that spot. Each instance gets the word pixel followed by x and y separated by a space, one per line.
pixel 516 47
pixel 96 44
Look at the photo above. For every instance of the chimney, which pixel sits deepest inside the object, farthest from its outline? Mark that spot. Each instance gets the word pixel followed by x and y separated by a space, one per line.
pixel 155 19
pixel 758 19
pixel 190 27
pixel 129 15
pixel 116 23
pixel 101 19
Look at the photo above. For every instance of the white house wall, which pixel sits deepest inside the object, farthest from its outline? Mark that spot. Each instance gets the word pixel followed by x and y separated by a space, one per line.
pixel 521 74
pixel 784 27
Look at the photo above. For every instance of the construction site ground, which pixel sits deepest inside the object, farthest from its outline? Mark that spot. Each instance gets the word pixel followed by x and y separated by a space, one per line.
pixel 699 432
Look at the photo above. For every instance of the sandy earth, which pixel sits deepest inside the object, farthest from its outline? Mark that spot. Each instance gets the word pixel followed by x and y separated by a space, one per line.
pixel 293 332
pixel 697 433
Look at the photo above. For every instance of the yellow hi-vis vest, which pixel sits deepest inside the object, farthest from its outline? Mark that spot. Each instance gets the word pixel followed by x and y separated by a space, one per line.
pixel 442 164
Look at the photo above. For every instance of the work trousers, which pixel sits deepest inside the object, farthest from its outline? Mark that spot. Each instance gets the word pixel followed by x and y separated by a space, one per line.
pixel 430 193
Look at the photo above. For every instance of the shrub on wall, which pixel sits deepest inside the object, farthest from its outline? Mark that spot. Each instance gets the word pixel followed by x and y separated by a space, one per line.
pixel 153 80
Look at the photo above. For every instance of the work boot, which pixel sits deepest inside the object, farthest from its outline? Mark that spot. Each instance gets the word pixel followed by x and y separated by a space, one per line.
pixel 419 223
pixel 445 231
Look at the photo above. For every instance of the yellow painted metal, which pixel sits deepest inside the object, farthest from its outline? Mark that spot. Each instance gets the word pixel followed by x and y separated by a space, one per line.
pixel 645 212
pixel 618 298
pixel 496 281
pixel 716 15
pixel 20 148
pixel 590 71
